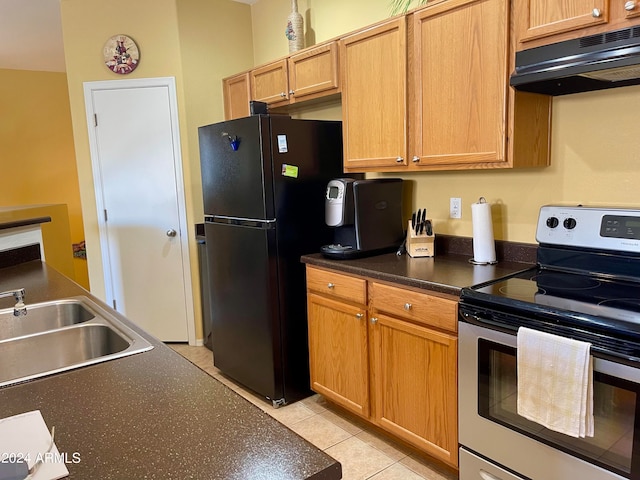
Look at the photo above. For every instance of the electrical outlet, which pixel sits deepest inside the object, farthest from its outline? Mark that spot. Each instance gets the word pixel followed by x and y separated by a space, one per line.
pixel 455 207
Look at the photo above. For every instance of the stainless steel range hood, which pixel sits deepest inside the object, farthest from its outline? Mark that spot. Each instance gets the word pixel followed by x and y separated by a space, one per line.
pixel 596 62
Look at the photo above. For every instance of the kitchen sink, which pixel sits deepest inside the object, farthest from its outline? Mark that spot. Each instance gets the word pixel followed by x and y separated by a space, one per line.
pixel 42 317
pixel 67 334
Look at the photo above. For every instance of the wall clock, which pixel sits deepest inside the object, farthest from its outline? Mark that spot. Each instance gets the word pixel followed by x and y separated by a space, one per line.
pixel 121 54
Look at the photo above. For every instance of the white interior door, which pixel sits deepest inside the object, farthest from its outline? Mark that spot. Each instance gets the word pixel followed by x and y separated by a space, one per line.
pixel 136 161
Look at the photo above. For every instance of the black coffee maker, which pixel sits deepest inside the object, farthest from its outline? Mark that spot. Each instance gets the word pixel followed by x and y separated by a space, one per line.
pixel 366 215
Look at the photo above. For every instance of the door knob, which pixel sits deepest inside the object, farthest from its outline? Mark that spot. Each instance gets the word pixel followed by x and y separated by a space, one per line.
pixel 596 13
pixel 171 233
pixel 630 5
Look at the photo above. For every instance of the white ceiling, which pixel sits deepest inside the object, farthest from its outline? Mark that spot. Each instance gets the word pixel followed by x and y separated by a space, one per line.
pixel 31 35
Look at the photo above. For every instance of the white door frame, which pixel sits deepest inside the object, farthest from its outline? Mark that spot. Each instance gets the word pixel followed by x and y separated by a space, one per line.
pixel 170 83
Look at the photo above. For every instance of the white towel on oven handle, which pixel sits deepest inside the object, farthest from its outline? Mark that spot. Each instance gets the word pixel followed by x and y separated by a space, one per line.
pixel 555 382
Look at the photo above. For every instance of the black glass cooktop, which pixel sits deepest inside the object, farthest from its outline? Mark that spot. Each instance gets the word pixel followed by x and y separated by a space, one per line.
pixel 601 311
pixel 565 295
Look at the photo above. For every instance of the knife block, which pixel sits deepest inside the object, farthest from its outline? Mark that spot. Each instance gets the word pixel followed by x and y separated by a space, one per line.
pixel 420 245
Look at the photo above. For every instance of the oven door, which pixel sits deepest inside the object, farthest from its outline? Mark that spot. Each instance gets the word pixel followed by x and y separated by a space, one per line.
pixel 491 427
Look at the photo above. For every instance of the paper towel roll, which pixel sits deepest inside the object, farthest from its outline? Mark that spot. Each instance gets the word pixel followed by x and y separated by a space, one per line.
pixel 484 249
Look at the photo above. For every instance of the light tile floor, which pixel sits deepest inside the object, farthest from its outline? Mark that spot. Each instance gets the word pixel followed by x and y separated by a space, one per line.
pixel 363 452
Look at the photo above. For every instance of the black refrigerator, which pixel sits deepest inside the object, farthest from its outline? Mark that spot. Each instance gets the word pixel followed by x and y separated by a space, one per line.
pixel 264 180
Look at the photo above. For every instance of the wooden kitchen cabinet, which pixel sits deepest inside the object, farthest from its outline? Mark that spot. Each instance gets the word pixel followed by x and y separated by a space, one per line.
pixel 237 94
pixel 541 22
pixel 430 91
pixel 374 97
pixel 387 353
pixel 460 93
pixel 338 358
pixel 270 83
pixel 415 368
pixel 313 72
pixel 302 76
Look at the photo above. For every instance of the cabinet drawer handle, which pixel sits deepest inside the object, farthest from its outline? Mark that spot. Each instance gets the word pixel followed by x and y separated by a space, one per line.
pixel 415 159
pixel 374 320
pixel 407 306
pixel 399 160
pixel 631 5
pixel 596 13
pixel 330 285
pixel 359 315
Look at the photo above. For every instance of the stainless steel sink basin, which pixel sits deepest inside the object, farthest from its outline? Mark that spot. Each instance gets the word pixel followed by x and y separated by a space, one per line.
pixel 42 317
pixel 75 333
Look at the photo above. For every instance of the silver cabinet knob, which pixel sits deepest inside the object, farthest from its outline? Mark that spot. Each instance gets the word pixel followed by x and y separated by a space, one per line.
pixel 415 159
pixel 407 306
pixel 631 5
pixel 359 315
pixel 291 92
pixel 330 285
pixel 399 160
pixel 171 233
pixel 374 320
pixel 282 94
pixel 596 13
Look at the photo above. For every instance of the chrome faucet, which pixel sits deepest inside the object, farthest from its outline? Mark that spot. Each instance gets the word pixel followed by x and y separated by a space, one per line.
pixel 20 308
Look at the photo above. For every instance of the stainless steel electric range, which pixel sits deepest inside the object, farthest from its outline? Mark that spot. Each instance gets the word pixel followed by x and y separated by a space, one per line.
pixel 585 286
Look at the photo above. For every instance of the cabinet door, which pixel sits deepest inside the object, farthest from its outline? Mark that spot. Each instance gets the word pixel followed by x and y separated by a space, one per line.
pixel 460 84
pixel 415 372
pixel 237 94
pixel 270 83
pixel 544 18
pixel 313 72
pixel 374 97
pixel 338 358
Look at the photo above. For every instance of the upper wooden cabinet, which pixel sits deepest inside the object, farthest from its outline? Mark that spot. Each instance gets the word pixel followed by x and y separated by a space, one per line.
pixel 237 93
pixel 374 97
pixel 270 83
pixel 540 22
pixel 302 76
pixel 460 52
pixel 433 94
pixel 313 72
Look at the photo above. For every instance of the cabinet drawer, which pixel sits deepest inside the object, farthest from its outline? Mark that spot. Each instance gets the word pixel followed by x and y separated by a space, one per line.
pixel 337 285
pixel 419 307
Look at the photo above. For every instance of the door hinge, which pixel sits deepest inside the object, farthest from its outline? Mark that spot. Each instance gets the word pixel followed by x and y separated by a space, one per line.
pixel 95 119
pixel 105 215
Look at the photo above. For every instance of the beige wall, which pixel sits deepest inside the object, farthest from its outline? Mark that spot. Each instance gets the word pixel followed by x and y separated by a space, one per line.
pixel 196 41
pixel 213 45
pixel 323 20
pixel 595 146
pixel 38 157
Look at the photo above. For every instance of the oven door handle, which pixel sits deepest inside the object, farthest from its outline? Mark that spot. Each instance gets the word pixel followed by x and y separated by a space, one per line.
pixel 487 321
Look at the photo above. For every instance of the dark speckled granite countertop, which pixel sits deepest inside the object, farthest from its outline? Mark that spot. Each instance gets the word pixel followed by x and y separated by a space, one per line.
pixel 445 273
pixel 154 415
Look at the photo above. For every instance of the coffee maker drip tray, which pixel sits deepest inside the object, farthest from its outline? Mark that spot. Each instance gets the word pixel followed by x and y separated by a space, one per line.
pixel 347 252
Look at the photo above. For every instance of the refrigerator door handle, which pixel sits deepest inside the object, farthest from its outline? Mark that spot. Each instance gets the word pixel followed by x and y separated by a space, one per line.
pixel 245 222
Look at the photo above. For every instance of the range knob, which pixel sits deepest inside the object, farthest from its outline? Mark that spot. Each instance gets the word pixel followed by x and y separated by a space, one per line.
pixel 552 222
pixel 569 223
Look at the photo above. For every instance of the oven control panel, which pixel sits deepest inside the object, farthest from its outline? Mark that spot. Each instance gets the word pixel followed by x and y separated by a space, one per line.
pixel 590 227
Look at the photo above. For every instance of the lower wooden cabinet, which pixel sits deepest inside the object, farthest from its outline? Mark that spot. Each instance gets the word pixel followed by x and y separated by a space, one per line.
pixel 338 352
pixel 415 385
pixel 390 357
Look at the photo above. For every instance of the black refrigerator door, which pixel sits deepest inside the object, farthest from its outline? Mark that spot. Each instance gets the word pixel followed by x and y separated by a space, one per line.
pixel 236 167
pixel 244 306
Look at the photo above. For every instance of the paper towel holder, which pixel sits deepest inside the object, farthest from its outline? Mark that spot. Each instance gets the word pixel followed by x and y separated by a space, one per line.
pixel 472 260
